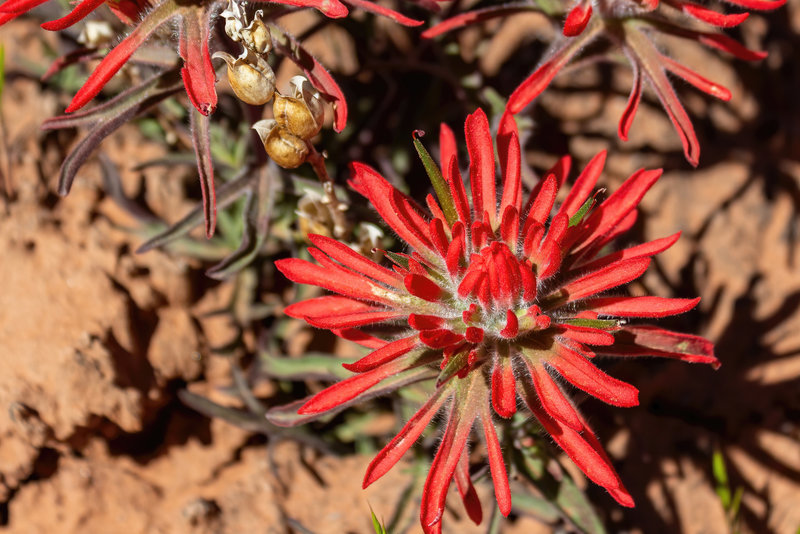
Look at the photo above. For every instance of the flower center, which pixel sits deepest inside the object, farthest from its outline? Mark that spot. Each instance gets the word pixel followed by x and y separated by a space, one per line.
pixel 498 279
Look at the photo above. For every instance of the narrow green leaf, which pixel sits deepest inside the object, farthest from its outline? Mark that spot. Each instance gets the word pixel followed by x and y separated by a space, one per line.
pixel 576 219
pixel 736 502
pixel 602 324
pixel 377 526
pixel 577 508
pixel 205 168
pixel 107 118
pixel 538 507
pixel 400 260
pixel 718 468
pixel 256 220
pixel 724 495
pixel 439 185
pixel 241 418
pixel 453 366
pixel 311 366
pixel 226 195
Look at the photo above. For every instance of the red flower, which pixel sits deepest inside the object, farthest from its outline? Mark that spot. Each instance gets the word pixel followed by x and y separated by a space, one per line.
pixel 497 301
pixel 628 25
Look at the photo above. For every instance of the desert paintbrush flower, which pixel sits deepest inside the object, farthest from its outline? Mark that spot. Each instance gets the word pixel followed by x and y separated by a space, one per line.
pixel 496 303
pixel 632 27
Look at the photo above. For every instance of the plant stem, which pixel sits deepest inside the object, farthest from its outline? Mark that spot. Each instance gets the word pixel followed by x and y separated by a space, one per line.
pixel 329 199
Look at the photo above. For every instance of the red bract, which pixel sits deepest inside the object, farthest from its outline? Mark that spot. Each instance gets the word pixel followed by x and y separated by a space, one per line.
pixel 629 26
pixel 497 300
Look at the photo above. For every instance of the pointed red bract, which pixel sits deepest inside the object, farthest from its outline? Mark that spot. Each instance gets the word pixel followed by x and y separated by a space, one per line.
pixel 581 373
pixel 586 21
pixel 395 449
pixel 393 206
pixel 584 185
pixel 598 281
pixel 590 462
pixel 352 259
pixel 350 285
pixel 197 72
pixel 443 468
pixel 552 398
pixel 626 119
pixel 467 491
pixel 387 353
pixel 624 200
pixel 77 14
pixel 481 166
pixel 497 465
pixel 642 306
pixel 330 8
pixel 578 18
pixel 107 68
pixel 504 394
pixel 378 9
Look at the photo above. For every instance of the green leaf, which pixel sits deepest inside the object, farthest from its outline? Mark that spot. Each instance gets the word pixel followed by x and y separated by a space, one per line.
pixel 399 259
pixel 106 118
pixel 311 366
pixel 453 366
pixel 256 219
pixel 439 185
pixel 724 495
pixel 226 195
pixel 377 526
pixel 718 468
pixel 538 507
pixel 574 504
pixel 736 503
pixel 202 149
pixel 576 219
pixel 241 418
pixel 601 324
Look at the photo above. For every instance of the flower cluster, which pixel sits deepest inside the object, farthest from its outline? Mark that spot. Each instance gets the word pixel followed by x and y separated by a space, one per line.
pixel 498 297
pixel 629 26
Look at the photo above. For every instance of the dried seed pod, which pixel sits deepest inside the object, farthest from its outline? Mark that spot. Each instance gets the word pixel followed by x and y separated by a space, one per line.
pixel 253 35
pixel 234 20
pixel 256 36
pixel 283 147
pixel 301 112
pixel 250 76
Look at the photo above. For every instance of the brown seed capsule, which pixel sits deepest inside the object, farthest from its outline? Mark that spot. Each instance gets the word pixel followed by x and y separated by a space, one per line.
pixel 284 148
pixel 256 36
pixel 251 78
pixel 301 112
